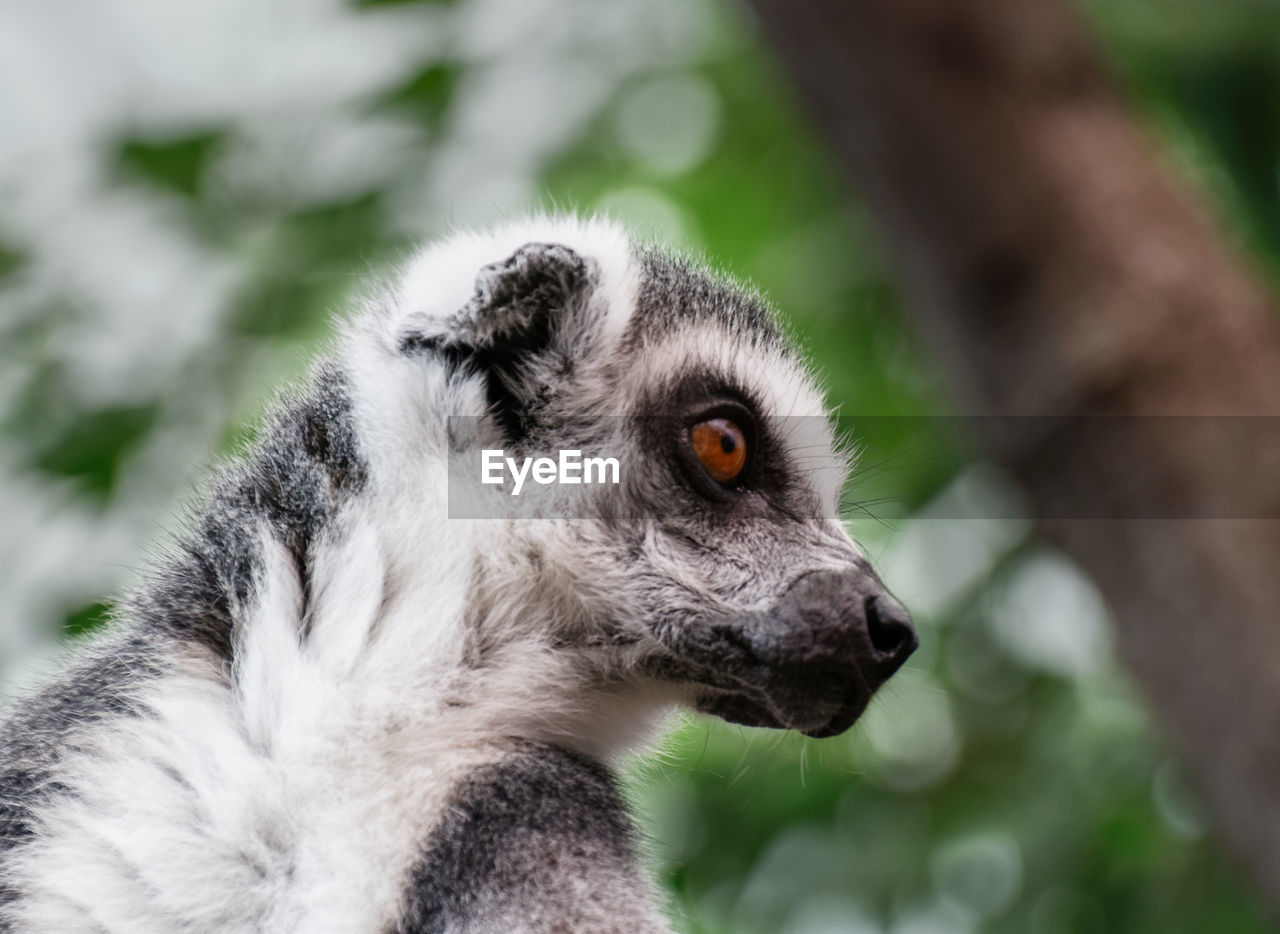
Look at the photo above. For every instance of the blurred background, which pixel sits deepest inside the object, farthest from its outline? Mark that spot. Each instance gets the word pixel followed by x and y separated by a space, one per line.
pixel 189 193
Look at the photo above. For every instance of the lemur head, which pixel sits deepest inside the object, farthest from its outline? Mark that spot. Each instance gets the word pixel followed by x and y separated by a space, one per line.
pixel 717 565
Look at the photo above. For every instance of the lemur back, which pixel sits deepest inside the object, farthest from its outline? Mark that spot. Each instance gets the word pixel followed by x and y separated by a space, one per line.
pixel 344 704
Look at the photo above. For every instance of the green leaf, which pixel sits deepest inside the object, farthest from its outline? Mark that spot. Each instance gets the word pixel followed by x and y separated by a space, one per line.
pixel 178 164
pixel 91 445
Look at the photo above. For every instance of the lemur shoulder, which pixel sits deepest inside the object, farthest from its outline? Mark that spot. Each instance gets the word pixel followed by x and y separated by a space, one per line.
pixel 339 706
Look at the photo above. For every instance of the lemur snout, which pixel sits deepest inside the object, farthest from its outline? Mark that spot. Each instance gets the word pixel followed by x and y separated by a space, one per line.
pixel 811 662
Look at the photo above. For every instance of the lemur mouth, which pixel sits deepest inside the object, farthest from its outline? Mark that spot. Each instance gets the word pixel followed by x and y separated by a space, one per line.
pixel 812 663
pixel 844 718
pixel 816 716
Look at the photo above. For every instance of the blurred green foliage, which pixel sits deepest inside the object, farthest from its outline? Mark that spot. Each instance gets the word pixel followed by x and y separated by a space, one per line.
pixel 1003 784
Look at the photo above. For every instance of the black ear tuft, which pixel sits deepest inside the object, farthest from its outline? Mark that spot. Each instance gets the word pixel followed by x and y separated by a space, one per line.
pixel 515 299
pixel 514 306
pixel 508 326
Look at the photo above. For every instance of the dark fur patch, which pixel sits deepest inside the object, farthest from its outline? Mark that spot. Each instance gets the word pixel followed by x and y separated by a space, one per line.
pixel 675 293
pixel 306 465
pixel 516 835
pixel 34 738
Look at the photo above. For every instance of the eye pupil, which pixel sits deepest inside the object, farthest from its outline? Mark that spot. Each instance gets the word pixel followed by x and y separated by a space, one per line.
pixel 721 448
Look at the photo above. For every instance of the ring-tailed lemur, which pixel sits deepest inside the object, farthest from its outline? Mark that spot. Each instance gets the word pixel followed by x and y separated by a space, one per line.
pixel 336 708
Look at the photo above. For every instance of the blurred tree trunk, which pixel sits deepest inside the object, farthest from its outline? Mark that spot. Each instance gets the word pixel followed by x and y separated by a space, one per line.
pixel 1056 269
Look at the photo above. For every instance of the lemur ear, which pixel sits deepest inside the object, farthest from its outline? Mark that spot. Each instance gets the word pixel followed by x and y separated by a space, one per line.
pixel 508 326
pixel 512 311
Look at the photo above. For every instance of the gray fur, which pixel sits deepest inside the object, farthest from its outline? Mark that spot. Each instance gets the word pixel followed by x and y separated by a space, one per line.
pixel 517 837
pixel 102 685
pixel 675 292
pixel 306 464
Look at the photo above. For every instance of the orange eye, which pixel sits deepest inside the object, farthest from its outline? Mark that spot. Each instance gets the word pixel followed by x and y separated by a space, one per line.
pixel 721 448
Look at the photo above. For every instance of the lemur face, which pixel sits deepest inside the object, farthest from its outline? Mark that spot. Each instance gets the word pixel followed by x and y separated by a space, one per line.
pixel 718 564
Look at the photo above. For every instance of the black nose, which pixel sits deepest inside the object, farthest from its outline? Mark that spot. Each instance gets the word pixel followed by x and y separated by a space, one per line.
pixel 890 632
